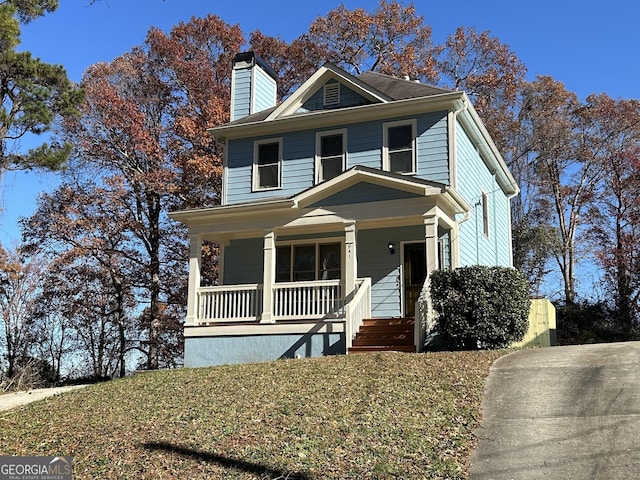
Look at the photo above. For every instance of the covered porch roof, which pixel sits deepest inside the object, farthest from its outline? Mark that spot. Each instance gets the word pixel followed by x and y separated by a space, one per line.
pixel 367 196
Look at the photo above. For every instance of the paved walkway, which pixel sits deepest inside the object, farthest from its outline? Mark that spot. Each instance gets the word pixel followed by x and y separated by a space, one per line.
pixel 15 399
pixel 562 413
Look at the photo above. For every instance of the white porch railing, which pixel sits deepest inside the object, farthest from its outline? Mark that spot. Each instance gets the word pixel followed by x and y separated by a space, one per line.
pixel 228 303
pixel 318 299
pixel 357 309
pixel 291 300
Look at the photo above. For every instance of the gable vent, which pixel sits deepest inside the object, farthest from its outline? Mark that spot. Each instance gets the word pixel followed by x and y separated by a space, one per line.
pixel 332 93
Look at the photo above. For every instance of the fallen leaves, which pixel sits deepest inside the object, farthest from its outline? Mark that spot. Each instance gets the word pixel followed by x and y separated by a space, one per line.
pixel 362 416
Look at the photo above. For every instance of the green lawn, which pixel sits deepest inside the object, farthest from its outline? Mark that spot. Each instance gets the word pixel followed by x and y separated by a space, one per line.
pixel 389 415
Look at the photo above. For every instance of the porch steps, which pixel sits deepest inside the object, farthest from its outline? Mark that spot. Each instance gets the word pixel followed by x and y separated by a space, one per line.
pixel 385 334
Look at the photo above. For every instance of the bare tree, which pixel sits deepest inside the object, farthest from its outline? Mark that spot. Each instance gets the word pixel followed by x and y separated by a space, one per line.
pixel 19 287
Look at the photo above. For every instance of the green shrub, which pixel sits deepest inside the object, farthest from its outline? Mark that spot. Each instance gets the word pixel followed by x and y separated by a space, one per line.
pixel 586 322
pixel 480 307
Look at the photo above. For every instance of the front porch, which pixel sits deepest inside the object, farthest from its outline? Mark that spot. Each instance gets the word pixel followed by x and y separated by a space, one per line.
pixel 264 320
pixel 299 276
pixel 297 302
pixel 316 300
pixel 305 307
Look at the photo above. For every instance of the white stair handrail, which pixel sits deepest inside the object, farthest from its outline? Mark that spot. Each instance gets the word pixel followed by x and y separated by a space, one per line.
pixel 358 308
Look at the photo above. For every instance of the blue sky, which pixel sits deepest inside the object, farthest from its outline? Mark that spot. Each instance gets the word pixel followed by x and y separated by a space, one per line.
pixel 591 46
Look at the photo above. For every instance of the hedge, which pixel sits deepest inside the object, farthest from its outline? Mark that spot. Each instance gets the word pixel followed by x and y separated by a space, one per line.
pixel 480 307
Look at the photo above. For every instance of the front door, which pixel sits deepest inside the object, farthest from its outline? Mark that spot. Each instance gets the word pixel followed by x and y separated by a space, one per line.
pixel 414 275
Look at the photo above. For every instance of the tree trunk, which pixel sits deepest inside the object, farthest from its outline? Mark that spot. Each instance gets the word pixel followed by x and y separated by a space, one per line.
pixel 11 360
pixel 569 280
pixel 122 340
pixel 154 287
pixel 624 290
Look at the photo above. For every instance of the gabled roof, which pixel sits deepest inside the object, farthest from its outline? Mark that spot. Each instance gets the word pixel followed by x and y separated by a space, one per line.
pixel 361 173
pixel 378 88
pixel 327 72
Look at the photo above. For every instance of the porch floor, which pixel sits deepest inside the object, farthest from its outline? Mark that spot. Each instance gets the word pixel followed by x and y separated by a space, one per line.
pixel 385 334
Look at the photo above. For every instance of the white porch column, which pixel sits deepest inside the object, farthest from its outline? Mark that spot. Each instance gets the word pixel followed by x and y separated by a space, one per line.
pixel 424 313
pixel 195 262
pixel 223 242
pixel 269 264
pixel 351 259
pixel 431 240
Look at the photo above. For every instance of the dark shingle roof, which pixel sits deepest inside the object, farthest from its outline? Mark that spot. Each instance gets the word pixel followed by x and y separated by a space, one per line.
pixel 391 87
pixel 398 88
pixel 254 117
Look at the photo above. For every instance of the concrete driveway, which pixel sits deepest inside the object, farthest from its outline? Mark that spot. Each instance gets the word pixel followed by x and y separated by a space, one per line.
pixel 15 399
pixel 562 413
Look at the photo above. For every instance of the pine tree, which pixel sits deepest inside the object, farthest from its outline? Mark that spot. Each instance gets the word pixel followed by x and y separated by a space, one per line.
pixel 33 93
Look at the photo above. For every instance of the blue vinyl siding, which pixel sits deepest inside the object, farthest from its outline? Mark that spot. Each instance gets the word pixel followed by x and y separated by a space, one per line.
pixel 444 237
pixel 264 95
pixel 241 95
pixel 243 262
pixel 501 228
pixel 364 147
pixel 375 261
pixel 474 178
pixel 298 152
pixel 238 173
pixel 433 147
pixel 254 90
pixel 364 192
pixel 297 169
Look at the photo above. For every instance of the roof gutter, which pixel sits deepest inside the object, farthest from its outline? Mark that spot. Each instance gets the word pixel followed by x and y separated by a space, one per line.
pixel 330 118
pixel 192 216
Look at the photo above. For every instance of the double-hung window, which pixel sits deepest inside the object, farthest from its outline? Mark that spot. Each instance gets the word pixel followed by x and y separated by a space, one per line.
pixel 330 154
pixel 267 164
pixel 399 146
pixel 308 262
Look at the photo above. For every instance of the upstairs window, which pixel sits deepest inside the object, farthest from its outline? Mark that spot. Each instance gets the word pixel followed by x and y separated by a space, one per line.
pixel 331 94
pixel 267 164
pixel 330 154
pixel 399 147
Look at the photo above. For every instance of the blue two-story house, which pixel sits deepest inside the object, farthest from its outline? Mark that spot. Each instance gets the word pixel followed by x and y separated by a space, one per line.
pixel 336 204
